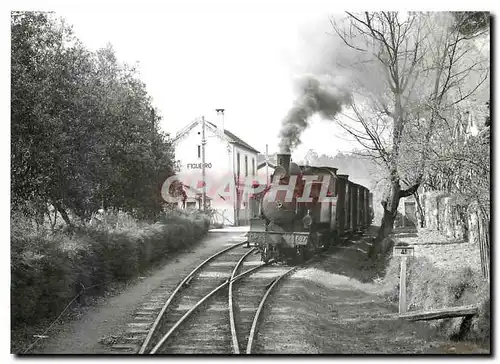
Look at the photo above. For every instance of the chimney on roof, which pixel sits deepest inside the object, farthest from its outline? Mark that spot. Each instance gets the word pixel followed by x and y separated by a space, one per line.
pixel 220 119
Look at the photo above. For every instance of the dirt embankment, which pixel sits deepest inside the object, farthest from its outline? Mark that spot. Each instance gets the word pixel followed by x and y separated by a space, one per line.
pixel 342 305
pixel 445 273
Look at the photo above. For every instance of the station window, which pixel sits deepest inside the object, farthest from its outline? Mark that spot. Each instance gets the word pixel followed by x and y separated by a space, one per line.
pixel 246 166
pixel 253 166
pixel 199 151
pixel 238 164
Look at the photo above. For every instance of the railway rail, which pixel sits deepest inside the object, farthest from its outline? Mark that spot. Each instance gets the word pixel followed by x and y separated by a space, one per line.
pixel 217 306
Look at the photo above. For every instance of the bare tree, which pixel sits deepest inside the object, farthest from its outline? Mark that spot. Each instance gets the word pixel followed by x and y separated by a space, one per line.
pixel 409 71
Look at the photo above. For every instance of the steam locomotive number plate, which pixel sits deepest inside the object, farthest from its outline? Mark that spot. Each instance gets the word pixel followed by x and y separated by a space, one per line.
pixel 296 239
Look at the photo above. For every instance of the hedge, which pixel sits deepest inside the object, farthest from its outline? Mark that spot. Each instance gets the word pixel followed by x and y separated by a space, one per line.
pixel 48 269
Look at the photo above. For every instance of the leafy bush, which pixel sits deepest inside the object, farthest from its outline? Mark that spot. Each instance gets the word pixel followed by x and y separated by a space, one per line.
pixel 49 269
pixel 481 326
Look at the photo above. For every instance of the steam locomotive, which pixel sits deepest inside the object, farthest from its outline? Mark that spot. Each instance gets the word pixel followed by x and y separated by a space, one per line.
pixel 306 209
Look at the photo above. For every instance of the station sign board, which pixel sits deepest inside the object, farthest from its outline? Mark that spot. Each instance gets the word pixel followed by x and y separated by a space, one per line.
pixel 198 165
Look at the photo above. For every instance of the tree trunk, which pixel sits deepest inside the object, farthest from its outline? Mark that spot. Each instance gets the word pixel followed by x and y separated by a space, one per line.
pixel 55 220
pixel 390 211
pixel 47 211
pixel 387 225
pixel 52 222
pixel 63 213
pixel 391 207
pixel 420 210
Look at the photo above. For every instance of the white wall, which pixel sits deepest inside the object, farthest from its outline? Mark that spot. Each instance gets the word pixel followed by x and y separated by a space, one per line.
pixel 220 159
pixel 252 175
pixel 216 152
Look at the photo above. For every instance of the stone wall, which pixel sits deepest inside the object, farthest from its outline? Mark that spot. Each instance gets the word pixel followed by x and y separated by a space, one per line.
pixel 443 212
pixel 457 221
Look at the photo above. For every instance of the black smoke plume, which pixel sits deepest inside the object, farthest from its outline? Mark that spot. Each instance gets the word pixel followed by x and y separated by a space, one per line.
pixel 313 98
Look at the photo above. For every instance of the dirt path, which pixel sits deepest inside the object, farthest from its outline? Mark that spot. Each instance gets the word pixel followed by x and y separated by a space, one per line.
pixel 327 309
pixel 90 334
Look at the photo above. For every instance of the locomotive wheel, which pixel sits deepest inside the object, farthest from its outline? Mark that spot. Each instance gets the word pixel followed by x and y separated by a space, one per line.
pixel 326 240
pixel 300 255
pixel 265 255
pixel 334 238
pixel 329 239
pixel 307 253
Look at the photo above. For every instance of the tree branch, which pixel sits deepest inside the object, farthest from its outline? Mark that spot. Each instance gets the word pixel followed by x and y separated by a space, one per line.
pixel 410 191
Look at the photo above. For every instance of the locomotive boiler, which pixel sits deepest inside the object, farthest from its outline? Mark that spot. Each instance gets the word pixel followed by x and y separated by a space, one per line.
pixel 306 209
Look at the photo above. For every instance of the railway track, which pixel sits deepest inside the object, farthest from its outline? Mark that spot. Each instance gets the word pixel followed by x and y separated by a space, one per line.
pixel 216 308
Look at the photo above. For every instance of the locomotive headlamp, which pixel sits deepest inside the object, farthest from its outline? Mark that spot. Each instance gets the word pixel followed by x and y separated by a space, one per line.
pixel 279 173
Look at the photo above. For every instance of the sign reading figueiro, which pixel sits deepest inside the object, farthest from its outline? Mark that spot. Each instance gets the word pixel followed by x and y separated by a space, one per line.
pixel 198 165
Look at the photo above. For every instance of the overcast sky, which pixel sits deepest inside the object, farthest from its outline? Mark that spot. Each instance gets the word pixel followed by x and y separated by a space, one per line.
pixel 239 58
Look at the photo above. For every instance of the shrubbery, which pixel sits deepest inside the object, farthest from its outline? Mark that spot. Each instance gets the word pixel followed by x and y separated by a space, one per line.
pixel 429 287
pixel 50 268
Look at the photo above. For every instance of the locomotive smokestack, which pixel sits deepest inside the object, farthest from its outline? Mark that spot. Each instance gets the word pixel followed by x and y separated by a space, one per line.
pixel 283 160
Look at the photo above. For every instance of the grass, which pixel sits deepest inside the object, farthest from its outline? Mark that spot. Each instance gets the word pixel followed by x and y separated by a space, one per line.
pixel 448 276
pixel 431 287
pixel 50 267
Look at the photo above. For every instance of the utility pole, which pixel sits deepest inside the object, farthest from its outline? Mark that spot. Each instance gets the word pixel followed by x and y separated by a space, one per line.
pixel 267 169
pixel 203 142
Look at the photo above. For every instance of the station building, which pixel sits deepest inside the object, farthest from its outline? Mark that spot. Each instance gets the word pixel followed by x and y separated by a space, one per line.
pixel 228 159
